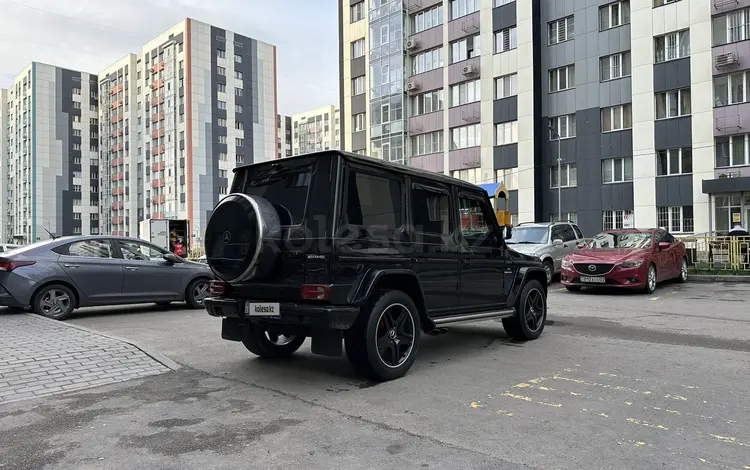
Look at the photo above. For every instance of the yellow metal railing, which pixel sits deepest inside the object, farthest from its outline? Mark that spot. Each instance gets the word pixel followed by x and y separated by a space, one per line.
pixel 717 253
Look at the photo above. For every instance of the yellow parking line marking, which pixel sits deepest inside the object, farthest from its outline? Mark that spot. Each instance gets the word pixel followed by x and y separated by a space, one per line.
pixel 529 399
pixel 647 424
pixel 654 298
pixel 559 290
pixel 675 397
pixel 476 404
pixel 730 440
pixel 594 384
pixel 504 412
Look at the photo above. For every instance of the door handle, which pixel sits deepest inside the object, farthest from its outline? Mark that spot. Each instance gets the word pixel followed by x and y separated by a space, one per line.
pixel 131 268
pixel 72 265
pixel 464 261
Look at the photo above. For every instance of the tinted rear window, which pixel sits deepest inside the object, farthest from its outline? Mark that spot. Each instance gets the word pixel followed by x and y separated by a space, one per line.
pixel 284 186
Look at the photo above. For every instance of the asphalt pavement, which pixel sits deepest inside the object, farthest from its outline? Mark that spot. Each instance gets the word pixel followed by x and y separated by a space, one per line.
pixel 616 381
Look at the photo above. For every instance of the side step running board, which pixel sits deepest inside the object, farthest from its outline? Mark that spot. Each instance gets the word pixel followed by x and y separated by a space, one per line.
pixel 472 317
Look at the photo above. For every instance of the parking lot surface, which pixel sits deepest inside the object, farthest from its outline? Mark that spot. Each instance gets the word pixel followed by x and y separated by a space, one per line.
pixel 616 381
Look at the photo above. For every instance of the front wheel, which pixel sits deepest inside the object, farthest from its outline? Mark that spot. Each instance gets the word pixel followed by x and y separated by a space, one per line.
pixel 271 344
pixel 650 286
pixel 531 313
pixel 384 340
pixel 549 271
pixel 55 301
pixel 683 271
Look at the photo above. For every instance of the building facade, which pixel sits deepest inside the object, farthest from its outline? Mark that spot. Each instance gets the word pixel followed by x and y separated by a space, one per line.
pixel 50 154
pixel 180 115
pixel 284 133
pixel 316 130
pixel 599 112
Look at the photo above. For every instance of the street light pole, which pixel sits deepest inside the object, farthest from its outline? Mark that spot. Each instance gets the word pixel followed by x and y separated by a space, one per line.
pixel 559 174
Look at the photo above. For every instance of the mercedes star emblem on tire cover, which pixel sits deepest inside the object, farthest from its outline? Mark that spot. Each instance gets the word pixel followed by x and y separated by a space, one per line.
pixel 227 237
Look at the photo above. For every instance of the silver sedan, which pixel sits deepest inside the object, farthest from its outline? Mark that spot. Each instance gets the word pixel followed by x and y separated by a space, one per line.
pixel 54 277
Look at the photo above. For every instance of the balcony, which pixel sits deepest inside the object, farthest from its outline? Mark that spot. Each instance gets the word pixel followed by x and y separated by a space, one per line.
pixel 118 191
pixel 116 133
pixel 157 215
pixel 158 199
pixel 117 147
pixel 118 161
pixel 156 84
pixel 723 6
pixel 157 150
pixel 157 183
pixel 117 220
pixel 462 159
pixel 731 57
pixel 464 26
pixel 157 100
pixel 117 205
pixel 731 119
pixel 431 162
pixel 118 176
pixel 116 89
pixel 157 117
pixel 464 70
pixel 116 118
pixel 156 68
pixel 116 103
pixel 158 166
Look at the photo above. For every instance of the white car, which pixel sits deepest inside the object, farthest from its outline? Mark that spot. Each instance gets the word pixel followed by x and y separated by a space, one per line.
pixel 202 259
pixel 8 247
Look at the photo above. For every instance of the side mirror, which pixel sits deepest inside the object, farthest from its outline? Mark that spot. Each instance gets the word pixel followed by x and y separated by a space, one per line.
pixel 664 245
pixel 557 242
pixel 172 258
pixel 581 246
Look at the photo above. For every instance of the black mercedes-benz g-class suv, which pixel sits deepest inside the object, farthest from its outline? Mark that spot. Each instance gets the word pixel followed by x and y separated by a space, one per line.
pixel 344 248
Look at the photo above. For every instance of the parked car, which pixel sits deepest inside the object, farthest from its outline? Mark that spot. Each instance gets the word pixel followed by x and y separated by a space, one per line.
pixel 8 247
pixel 203 260
pixel 322 245
pixel 627 258
pixel 549 241
pixel 56 276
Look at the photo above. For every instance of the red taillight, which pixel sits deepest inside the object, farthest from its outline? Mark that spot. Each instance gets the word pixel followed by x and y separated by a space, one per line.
pixel 315 292
pixel 9 265
pixel 217 287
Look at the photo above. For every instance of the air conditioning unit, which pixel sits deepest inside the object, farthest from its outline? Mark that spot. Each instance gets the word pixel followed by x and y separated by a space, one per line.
pixel 411 44
pixel 412 86
pixel 724 60
pixel 469 69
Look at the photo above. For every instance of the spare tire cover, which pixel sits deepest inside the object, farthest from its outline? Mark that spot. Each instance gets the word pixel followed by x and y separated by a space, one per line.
pixel 243 238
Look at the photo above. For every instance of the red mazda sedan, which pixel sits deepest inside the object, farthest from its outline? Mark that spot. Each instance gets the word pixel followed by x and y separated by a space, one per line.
pixel 628 258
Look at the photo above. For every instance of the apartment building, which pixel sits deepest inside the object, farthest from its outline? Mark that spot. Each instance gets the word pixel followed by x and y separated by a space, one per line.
pixel 284 133
pixel 316 130
pixel 5 193
pixel 50 155
pixel 599 112
pixel 178 117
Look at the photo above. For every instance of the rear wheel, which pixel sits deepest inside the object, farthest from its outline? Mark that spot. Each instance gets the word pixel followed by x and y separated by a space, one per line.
pixel 271 344
pixel 54 301
pixel 196 293
pixel 531 312
pixel 383 343
pixel 650 286
pixel 683 271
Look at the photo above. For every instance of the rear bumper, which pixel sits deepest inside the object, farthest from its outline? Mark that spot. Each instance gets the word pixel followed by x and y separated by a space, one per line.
pixel 7 300
pixel 327 317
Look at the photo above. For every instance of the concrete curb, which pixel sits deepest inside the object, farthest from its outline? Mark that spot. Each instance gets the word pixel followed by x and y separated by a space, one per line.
pixel 718 278
pixel 164 360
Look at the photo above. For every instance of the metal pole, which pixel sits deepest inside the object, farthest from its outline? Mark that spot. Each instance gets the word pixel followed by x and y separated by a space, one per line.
pixel 559 181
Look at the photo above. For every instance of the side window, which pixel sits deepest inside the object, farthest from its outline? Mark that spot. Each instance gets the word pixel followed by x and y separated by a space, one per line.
pixel 472 218
pixel 431 215
pixel 91 249
pixel 373 204
pixel 668 238
pixel 568 235
pixel 659 236
pixel 139 251
pixel 578 232
pixel 557 233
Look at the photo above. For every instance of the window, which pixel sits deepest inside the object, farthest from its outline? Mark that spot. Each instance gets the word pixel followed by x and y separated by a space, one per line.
pixel 358 122
pixel 431 215
pixel 661 3
pixel 373 203
pixel 427 19
pixel 466 92
pixel 221 53
pixel 358 48
pixel 238 108
pixel 731 89
pixel 357 12
pixel 239 158
pixel 614 15
pixel 567 217
pixel 732 151
pixel 562 232
pixel 465 48
pixel 428 60
pixel 238 92
pixel 561 30
pixel 506 86
pixel 358 85
pixel 239 125
pixel 562 78
pixel 237 59
pixel 76 188
pixel 615 66
pixel 222 156
pixel 470 175
pixel 461 8
pixel 506 133
pixel 425 103
pixel 424 144
pixel 288 190
pixel 499 3
pixel 91 249
pixel 239 142
pixel 221 122
pixel 466 136
pixel 676 219
pixel 221 104
pixel 617 170
pixel 221 88
pixel 238 75
pixel 674 162
pixel 567 178
pixel 565 126
pixel 615 219
pixel 509 176
pixel 473 223
pixel 673 103
pixel 732 27
pixel 222 139
pixel 220 70
pixel 140 251
pixel 617 118
pixel 672 46
pixel 506 40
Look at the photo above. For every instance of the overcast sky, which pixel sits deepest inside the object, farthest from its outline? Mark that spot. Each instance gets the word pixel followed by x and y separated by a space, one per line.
pixel 88 35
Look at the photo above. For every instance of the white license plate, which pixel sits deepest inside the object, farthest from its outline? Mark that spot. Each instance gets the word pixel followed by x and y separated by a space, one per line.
pixel 593 280
pixel 261 309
